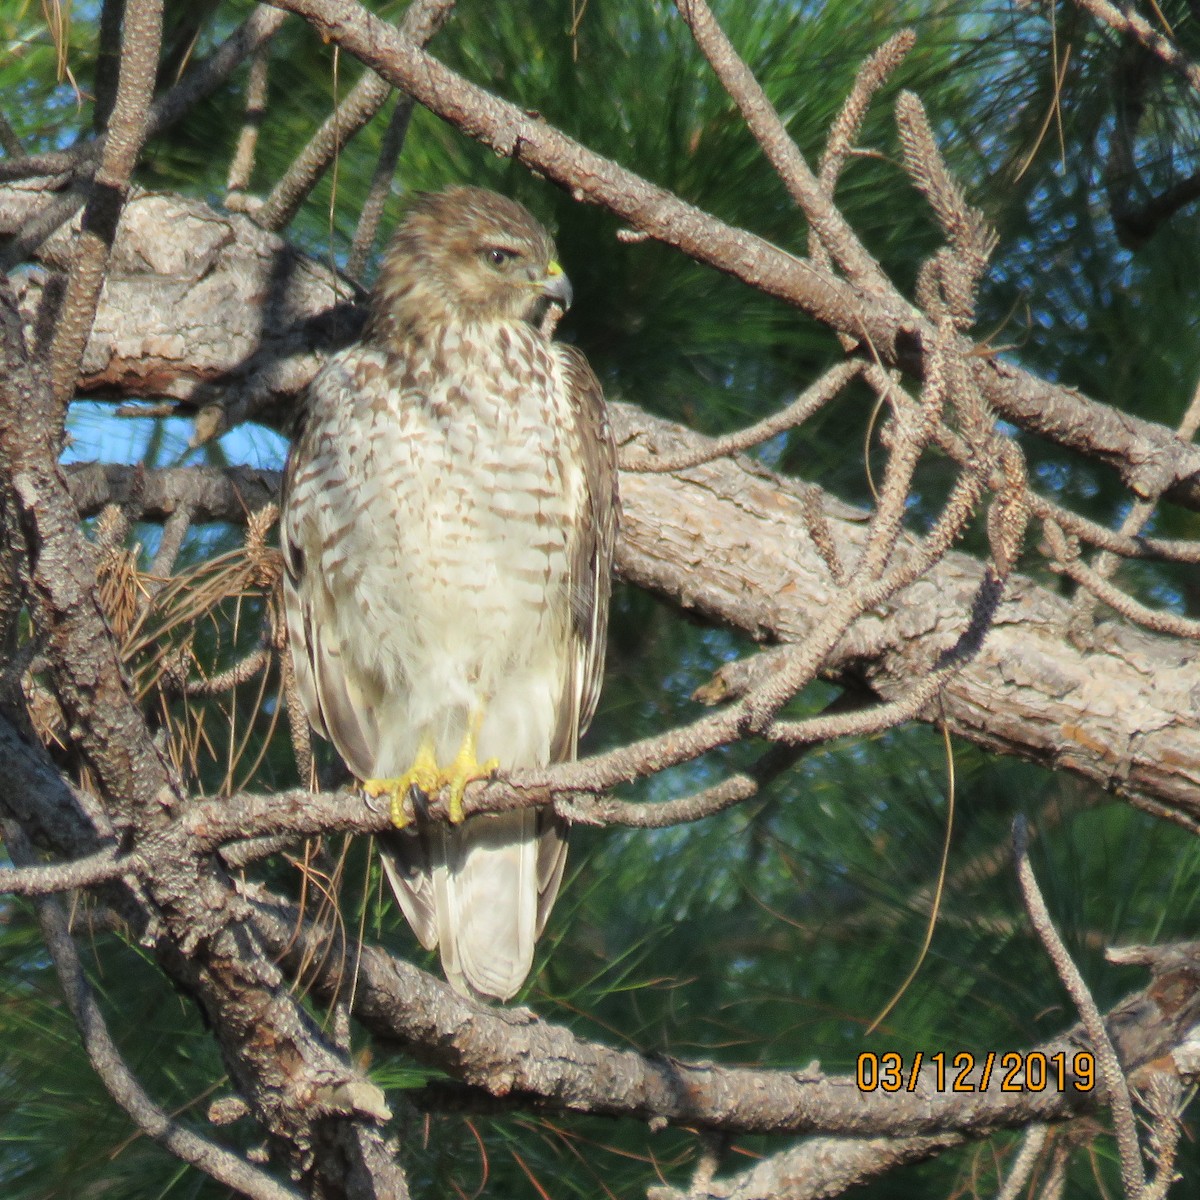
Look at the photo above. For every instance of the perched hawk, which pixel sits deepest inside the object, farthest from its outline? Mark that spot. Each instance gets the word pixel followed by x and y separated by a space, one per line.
pixel 449 516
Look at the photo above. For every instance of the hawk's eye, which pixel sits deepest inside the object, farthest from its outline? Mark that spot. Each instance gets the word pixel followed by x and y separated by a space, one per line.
pixel 498 255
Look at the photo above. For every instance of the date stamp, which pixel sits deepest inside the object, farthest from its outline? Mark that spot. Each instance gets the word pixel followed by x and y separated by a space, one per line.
pixel 1030 1071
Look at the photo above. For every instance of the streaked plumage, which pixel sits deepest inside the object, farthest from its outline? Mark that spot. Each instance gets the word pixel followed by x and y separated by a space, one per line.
pixel 449 518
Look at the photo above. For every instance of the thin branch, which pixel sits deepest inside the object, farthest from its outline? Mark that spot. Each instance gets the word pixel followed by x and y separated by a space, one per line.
pixel 1066 558
pixel 867 585
pixel 43 880
pixel 120 1082
pixel 201 81
pixel 78 163
pixel 250 37
pixel 211 824
pixel 175 530
pixel 422 20
pixel 608 810
pixel 1056 1177
pixel 59 209
pixel 784 155
pixel 1131 24
pixel 380 189
pixel 242 671
pixel 1100 536
pixel 880 717
pixel 141 34
pixel 810 401
pixel 1162 1098
pixel 241 165
pixel 871 76
pixel 1137 518
pixel 819 1168
pixel 1022 1168
pixel 1108 1064
pixel 965 227
pixel 209 493
pixel 846 126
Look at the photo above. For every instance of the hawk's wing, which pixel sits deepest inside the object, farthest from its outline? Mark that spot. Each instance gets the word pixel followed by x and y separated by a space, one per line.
pixel 590 553
pixel 591 548
pixel 336 707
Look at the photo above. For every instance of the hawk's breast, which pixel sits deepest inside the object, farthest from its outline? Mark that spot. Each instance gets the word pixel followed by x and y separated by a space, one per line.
pixel 447 509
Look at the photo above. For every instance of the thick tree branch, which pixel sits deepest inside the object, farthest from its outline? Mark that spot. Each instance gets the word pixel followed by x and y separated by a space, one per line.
pixel 188 268
pixel 512 1055
pixel 208 493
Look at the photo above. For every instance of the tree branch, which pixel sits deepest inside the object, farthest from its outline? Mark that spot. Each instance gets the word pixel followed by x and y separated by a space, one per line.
pixel 42 880
pixel 819 1168
pixel 1132 25
pixel 512 1055
pixel 141 34
pixel 272 1048
pixel 421 21
pixel 380 188
pixel 120 1082
pixel 1108 1064
pixel 763 121
pixel 1147 457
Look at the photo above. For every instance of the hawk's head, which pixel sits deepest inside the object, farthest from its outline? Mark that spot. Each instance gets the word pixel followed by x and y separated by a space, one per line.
pixel 467 254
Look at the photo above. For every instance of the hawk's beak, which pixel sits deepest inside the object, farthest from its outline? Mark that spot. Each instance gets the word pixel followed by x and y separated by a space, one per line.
pixel 556 286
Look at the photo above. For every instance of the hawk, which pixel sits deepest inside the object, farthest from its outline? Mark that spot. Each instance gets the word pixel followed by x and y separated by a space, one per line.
pixel 450 509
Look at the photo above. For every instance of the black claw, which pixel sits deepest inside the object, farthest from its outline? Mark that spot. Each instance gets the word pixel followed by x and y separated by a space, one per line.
pixel 419 801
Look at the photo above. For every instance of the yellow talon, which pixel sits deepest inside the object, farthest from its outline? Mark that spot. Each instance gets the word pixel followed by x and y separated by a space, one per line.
pixel 465 769
pixel 423 775
pixel 427 777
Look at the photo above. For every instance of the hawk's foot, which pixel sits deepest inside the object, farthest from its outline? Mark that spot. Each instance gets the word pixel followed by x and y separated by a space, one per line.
pixel 466 768
pixel 423 775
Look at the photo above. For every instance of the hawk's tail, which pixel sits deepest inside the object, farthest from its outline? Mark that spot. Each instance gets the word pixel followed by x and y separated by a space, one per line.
pixel 480 891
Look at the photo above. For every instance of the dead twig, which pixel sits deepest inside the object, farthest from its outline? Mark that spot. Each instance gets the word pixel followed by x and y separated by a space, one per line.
pixel 1108 1065
pixel 809 402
